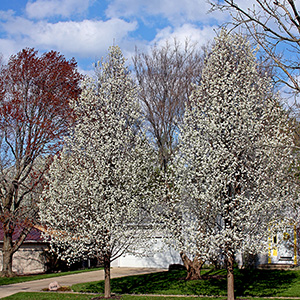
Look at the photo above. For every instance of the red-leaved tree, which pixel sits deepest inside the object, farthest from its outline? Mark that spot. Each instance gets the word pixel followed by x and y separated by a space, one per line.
pixel 35 92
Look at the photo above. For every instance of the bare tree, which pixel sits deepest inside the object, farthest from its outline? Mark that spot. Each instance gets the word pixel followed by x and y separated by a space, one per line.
pixel 166 76
pixel 275 27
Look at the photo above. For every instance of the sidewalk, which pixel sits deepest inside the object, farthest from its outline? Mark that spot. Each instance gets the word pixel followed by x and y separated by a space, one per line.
pixel 68 280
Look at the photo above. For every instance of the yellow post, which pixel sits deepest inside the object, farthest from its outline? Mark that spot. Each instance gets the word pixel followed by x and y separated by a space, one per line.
pixel 295 245
pixel 269 249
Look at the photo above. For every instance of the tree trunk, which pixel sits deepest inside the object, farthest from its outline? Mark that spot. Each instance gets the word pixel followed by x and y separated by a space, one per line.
pixel 107 292
pixel 230 278
pixel 7 255
pixel 10 246
pixel 193 267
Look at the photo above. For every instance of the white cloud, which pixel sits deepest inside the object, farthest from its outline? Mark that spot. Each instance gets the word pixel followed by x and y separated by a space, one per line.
pixel 6 15
pixel 41 9
pixel 7 48
pixel 201 36
pixel 87 38
pixel 14 26
pixel 176 11
pixel 88 72
pixel 187 31
pixel 90 38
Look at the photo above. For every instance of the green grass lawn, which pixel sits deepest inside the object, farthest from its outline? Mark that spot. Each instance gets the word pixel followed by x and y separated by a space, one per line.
pixel 17 279
pixel 257 283
pixel 248 283
pixel 47 296
pixel 56 296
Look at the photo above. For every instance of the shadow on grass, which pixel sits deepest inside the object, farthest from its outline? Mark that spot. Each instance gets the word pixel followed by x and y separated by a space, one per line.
pixel 264 282
pixel 168 283
pixel 247 283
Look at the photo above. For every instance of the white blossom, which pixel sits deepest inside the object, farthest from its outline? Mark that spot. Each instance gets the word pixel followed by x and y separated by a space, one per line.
pixel 233 168
pixel 103 182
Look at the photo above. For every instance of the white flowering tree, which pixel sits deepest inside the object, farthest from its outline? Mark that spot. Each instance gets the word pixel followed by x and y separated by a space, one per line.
pixel 234 158
pixel 102 183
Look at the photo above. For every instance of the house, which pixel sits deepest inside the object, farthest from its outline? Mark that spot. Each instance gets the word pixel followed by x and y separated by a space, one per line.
pixel 160 256
pixel 282 251
pixel 283 247
pixel 30 258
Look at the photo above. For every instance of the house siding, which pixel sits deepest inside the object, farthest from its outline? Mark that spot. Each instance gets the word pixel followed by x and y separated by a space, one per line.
pixel 160 256
pixel 29 259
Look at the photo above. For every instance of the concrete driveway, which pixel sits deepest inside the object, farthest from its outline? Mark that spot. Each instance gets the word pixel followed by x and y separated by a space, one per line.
pixel 68 280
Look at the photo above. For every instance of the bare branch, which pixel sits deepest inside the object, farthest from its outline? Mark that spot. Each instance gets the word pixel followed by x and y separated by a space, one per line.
pixel 166 77
pixel 275 26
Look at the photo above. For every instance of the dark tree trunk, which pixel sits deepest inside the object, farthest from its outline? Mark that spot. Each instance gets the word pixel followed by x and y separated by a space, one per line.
pixel 107 291
pixel 230 278
pixel 193 267
pixel 10 246
pixel 7 255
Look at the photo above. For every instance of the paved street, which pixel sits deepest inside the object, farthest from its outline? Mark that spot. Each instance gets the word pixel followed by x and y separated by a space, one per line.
pixel 68 280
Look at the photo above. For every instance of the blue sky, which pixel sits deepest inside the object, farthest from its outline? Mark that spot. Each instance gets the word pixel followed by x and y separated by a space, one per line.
pixel 84 29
